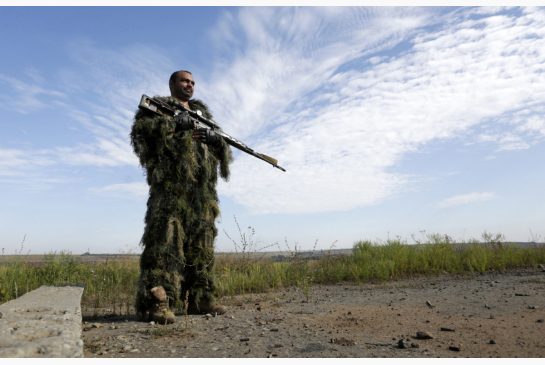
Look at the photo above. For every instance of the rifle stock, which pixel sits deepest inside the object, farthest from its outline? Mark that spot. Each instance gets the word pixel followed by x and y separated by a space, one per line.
pixel 158 107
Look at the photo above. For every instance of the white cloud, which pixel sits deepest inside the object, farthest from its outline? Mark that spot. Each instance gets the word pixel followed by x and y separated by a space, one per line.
pixel 466 199
pixel 138 189
pixel 338 95
pixel 27 96
pixel 104 107
pixel 339 123
pixel 17 162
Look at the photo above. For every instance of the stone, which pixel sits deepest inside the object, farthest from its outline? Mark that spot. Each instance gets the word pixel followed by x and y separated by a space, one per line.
pixel 447 329
pixel 342 341
pixel 423 335
pixel 455 348
pixel 428 303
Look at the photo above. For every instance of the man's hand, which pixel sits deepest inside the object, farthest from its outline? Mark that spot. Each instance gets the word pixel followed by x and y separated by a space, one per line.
pixel 208 136
pixel 184 122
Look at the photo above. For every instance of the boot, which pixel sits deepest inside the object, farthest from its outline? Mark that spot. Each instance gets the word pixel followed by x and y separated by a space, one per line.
pixel 205 307
pixel 161 313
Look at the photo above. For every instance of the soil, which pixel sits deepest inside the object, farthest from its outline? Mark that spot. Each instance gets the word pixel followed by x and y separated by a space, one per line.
pixel 478 315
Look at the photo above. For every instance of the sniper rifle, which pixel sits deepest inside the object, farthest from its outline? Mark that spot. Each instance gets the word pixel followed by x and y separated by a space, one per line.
pixel 197 121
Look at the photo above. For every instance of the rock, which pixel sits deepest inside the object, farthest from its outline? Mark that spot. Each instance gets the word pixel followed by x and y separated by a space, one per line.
pixel 401 344
pixel 313 347
pixel 274 329
pixel 521 295
pixel 96 325
pixel 447 329
pixel 415 345
pixel 423 335
pixel 492 342
pixel 1 314
pixel 342 341
pixel 428 303
pixel 533 307
pixel 244 339
pixel 455 348
pixel 540 320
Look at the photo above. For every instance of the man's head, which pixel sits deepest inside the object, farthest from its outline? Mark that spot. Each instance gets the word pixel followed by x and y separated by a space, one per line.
pixel 181 85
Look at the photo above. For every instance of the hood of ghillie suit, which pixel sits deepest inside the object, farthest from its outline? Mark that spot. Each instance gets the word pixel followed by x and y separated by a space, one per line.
pixel 168 155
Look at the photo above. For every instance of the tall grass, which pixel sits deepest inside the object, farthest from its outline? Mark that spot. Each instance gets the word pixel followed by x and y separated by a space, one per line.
pixel 396 260
pixel 113 283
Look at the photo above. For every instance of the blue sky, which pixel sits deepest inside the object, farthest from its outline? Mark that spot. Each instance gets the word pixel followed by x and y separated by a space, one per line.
pixel 390 121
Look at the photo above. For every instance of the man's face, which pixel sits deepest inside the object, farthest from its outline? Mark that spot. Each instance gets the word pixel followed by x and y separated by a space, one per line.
pixel 182 87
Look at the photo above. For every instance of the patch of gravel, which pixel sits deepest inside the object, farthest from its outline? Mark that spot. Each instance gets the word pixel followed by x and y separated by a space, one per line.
pixel 447 316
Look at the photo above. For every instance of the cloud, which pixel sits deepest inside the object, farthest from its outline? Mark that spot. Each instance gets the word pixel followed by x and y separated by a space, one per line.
pixel 17 162
pixel 339 112
pixel 27 96
pixel 104 107
pixel 339 95
pixel 466 199
pixel 505 141
pixel 137 189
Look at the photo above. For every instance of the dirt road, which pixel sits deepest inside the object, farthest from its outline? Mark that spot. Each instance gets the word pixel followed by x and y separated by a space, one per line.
pixel 490 315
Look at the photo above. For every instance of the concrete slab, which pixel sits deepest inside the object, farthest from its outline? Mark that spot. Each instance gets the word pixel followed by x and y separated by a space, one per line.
pixel 45 322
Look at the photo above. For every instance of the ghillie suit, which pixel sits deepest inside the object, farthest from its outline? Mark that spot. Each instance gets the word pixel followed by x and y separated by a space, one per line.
pixel 179 234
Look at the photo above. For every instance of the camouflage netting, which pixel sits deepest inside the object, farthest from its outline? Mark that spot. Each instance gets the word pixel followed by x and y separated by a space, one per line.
pixel 180 227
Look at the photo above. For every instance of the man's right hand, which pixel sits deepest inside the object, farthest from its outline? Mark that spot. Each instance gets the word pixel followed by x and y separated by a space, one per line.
pixel 184 122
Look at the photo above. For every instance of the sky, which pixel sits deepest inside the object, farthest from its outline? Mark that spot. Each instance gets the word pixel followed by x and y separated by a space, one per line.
pixel 392 122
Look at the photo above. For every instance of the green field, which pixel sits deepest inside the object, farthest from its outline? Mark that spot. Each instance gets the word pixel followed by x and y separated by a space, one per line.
pixel 111 282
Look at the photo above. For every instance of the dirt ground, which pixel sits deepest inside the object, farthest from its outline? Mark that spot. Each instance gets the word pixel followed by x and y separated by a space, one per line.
pixel 489 315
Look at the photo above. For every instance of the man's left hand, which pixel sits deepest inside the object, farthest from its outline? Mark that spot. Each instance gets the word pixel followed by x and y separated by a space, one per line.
pixel 205 135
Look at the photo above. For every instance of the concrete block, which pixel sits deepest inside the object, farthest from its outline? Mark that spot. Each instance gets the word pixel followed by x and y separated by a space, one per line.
pixel 45 322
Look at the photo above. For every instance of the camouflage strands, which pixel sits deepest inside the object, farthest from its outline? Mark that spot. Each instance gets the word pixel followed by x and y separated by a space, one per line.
pixel 182 207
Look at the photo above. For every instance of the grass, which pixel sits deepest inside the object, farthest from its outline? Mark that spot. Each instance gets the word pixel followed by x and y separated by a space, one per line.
pixel 112 284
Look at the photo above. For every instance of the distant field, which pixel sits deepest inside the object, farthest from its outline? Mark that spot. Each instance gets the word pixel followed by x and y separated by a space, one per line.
pixel 274 255
pixel 80 258
pixel 104 257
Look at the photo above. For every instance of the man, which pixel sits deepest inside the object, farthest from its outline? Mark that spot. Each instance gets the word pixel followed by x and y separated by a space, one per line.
pixel 182 170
